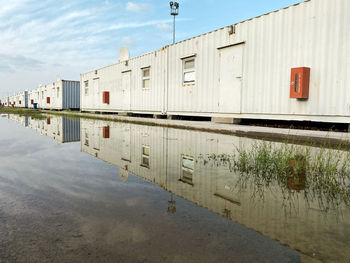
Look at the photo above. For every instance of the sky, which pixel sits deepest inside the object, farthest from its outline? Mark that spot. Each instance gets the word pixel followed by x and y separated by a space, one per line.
pixel 41 39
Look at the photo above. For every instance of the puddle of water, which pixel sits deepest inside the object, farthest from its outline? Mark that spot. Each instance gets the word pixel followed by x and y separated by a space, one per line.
pixel 96 192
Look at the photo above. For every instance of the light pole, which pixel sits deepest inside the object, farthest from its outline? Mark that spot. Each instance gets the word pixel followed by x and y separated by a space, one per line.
pixel 174 11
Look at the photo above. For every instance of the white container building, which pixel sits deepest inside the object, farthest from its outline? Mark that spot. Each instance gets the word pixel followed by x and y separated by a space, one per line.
pixel 245 70
pixel 132 85
pixel 12 101
pixel 60 95
pixel 5 102
pixel 33 97
pixel 21 99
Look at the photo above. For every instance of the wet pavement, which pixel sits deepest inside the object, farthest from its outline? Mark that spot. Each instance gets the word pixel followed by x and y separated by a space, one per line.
pixel 93 191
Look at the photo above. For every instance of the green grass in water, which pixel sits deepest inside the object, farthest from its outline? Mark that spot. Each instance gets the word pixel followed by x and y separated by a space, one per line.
pixel 322 174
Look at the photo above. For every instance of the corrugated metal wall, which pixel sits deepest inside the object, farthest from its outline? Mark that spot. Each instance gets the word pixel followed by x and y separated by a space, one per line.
pixel 70 94
pixel 123 81
pixel 312 34
pixel 70 130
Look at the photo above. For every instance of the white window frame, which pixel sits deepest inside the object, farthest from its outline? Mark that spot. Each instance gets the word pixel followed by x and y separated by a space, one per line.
pixel 146 78
pixel 145 156
pixel 189 70
pixel 187 170
pixel 86 87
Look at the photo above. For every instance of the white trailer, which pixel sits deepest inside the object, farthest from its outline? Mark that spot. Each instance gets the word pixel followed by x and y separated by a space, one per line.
pixel 34 98
pixel 290 64
pixel 132 85
pixel 5 102
pixel 60 95
pixel 21 99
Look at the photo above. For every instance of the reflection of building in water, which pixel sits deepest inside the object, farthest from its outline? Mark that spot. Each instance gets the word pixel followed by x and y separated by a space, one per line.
pixel 170 158
pixel 61 129
pixel 22 120
pixel 137 149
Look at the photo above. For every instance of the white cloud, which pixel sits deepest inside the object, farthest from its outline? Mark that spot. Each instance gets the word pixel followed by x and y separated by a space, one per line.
pixel 164 27
pixel 40 39
pixel 136 24
pixel 128 41
pixel 12 63
pixel 137 7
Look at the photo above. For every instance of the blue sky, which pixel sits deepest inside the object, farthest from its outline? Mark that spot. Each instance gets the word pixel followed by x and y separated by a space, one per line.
pixel 40 39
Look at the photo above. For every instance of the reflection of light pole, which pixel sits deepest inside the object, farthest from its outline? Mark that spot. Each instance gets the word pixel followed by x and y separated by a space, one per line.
pixel 174 11
pixel 172 205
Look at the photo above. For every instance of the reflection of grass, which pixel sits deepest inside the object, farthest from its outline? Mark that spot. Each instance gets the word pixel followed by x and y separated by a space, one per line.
pixel 36 114
pixel 322 174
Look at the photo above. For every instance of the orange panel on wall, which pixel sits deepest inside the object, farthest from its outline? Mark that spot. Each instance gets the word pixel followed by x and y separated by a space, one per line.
pixel 299 83
pixel 105 97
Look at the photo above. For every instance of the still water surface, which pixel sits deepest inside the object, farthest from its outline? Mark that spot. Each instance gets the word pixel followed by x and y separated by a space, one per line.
pixel 76 190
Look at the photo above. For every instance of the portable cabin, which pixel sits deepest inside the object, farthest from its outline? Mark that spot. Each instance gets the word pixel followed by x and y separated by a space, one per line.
pixel 5 102
pixel 12 101
pixel 132 85
pixel 290 64
pixel 34 97
pixel 60 95
pixel 21 99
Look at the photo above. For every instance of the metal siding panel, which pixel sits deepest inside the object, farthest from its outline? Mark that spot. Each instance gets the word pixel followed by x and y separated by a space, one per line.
pixel 310 34
pixel 70 130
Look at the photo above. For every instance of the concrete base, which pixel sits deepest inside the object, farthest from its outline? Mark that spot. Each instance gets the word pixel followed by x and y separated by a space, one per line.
pixel 226 120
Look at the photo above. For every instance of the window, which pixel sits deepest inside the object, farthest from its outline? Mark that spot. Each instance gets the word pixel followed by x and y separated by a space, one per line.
pixel 145 156
pixel 86 139
pixel 58 92
pixel 187 167
pixel 86 86
pixel 146 78
pixel 189 73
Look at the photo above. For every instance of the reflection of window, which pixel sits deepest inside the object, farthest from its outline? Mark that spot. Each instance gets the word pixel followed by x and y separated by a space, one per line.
pixel 189 73
pixel 86 86
pixel 145 155
pixel 86 139
pixel 187 167
pixel 146 79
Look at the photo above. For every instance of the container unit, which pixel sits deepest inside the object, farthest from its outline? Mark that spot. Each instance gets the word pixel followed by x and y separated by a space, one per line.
pixel 133 85
pixel 248 70
pixel 12 101
pixel 5 102
pixel 60 95
pixel 21 99
pixel 34 98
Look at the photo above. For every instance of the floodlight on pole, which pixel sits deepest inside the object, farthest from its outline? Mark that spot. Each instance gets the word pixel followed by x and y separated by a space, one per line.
pixel 174 11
